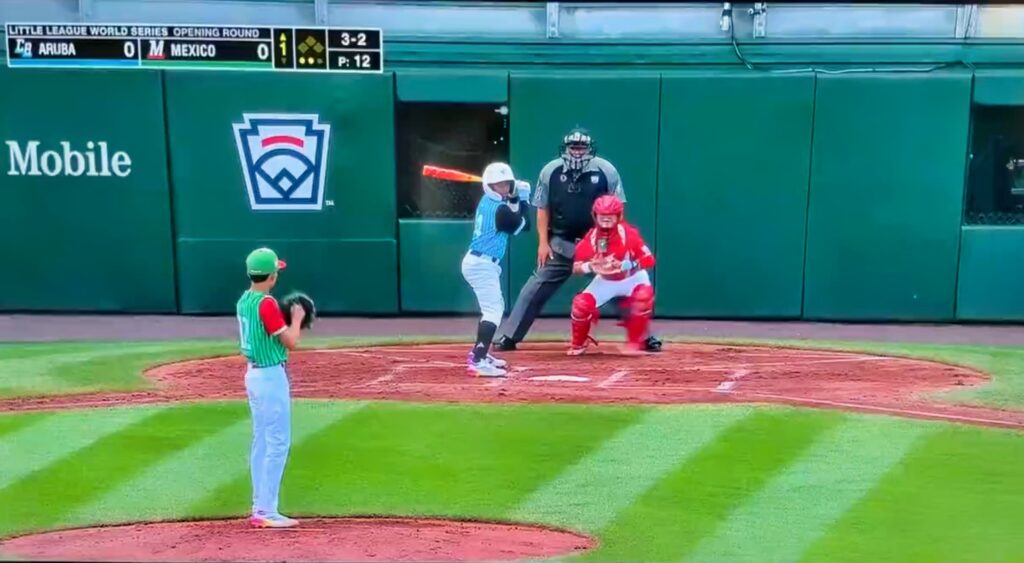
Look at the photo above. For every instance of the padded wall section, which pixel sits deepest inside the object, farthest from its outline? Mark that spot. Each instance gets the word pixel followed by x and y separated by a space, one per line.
pixel 470 86
pixel 351 277
pixel 351 237
pixel 85 220
pixel 991 271
pixel 732 194
pixel 887 180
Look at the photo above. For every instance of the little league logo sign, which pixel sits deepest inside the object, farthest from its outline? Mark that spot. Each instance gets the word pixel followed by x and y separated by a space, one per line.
pixel 284 160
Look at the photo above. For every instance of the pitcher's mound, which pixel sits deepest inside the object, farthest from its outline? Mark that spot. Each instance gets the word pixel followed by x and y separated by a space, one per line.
pixel 316 539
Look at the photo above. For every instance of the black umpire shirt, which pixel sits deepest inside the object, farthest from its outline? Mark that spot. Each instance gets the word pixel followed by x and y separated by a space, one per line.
pixel 569 199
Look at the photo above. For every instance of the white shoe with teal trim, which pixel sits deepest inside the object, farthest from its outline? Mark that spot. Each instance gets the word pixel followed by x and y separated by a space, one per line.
pixel 498 362
pixel 485 368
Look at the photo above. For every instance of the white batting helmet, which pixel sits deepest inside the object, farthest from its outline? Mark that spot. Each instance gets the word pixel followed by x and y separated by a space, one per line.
pixel 494 173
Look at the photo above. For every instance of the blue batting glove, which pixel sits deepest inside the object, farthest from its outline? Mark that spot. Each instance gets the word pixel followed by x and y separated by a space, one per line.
pixel 523 190
pixel 627 265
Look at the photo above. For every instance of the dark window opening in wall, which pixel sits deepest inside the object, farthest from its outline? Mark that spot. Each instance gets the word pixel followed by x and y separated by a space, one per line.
pixel 995 181
pixel 464 137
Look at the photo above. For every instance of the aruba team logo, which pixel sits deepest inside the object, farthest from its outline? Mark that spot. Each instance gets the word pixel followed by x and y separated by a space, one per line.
pixel 284 160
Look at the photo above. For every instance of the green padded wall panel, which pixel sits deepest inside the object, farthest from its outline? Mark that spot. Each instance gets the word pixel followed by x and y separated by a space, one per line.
pixel 210 197
pixel 430 260
pixel 732 193
pixel 1003 87
pixel 342 276
pixel 887 180
pixel 78 237
pixel 991 271
pixel 452 85
pixel 621 112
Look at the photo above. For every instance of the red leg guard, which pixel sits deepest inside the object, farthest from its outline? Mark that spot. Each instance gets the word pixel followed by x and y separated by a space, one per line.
pixel 641 306
pixel 584 315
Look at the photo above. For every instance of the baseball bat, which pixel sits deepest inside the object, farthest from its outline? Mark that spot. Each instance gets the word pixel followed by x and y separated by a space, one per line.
pixel 431 171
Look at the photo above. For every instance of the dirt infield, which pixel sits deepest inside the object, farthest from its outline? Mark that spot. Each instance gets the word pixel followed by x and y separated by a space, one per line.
pixel 319 539
pixel 541 373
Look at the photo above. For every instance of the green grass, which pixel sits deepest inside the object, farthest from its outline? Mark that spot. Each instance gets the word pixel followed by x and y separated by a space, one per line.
pixel 684 483
pixel 717 484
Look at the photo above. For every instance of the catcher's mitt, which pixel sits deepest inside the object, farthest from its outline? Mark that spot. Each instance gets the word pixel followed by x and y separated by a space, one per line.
pixel 605 266
pixel 305 302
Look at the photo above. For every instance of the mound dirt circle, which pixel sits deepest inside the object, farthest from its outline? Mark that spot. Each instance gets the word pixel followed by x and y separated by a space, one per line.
pixel 542 373
pixel 318 539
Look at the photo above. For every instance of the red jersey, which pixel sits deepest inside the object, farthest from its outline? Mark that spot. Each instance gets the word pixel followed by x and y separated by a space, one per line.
pixel 624 243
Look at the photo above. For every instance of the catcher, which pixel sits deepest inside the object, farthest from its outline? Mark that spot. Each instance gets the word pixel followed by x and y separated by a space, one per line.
pixel 617 255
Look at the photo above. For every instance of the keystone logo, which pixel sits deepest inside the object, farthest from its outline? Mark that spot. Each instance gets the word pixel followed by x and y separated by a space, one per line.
pixel 95 160
pixel 284 160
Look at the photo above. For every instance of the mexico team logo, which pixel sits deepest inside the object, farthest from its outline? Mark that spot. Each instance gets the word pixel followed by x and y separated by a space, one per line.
pixel 284 160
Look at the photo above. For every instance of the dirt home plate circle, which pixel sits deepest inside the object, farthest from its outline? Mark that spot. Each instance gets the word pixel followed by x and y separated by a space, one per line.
pixel 539 373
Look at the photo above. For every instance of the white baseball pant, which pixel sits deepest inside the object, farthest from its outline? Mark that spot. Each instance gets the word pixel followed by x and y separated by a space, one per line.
pixel 484 276
pixel 605 290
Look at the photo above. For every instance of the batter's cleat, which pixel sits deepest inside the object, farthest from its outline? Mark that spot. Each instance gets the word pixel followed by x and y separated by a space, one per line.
pixel 505 344
pixel 652 344
pixel 484 368
pixel 272 521
pixel 496 361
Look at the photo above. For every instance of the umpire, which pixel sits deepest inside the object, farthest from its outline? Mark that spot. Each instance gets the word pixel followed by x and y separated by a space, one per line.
pixel 564 195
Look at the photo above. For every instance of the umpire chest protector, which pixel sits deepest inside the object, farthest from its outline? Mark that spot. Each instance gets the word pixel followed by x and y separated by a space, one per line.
pixel 570 201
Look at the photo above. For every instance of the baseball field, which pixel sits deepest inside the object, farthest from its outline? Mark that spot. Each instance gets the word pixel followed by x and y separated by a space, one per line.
pixel 715 449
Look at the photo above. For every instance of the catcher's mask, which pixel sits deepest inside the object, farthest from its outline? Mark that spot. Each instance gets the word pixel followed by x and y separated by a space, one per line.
pixel 607 212
pixel 577 149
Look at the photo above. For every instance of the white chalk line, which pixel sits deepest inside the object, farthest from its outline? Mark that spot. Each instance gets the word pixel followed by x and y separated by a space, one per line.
pixel 743 365
pixel 732 380
pixel 894 410
pixel 613 378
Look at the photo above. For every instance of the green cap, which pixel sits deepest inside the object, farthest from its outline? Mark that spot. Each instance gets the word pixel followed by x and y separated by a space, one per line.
pixel 263 261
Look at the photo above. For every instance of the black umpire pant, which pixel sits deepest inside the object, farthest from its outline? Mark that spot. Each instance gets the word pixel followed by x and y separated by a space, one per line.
pixel 544 282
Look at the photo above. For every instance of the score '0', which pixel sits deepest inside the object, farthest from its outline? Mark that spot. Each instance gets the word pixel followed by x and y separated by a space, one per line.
pixel 262 51
pixel 129 49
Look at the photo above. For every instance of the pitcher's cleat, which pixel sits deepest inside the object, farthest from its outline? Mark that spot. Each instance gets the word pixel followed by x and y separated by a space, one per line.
pixel 272 521
pixel 484 368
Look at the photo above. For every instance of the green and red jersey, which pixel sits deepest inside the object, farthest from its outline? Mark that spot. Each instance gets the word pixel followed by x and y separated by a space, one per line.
pixel 259 323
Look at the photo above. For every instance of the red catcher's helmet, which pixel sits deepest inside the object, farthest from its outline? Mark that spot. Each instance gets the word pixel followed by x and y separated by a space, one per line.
pixel 607 205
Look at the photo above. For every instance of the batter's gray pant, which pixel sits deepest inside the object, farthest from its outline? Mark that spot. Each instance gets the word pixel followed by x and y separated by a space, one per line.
pixel 535 294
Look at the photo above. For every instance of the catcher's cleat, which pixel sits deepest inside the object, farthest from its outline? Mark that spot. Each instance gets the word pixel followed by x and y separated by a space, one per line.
pixel 633 349
pixel 652 344
pixel 575 350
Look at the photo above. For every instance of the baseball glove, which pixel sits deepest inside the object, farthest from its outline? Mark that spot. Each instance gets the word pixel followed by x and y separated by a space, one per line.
pixel 605 266
pixel 305 302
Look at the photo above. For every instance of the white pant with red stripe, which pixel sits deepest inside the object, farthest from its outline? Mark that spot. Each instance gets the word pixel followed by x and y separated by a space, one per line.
pixel 604 290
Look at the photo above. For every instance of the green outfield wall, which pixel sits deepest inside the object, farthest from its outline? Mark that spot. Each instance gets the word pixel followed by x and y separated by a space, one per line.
pixel 764 195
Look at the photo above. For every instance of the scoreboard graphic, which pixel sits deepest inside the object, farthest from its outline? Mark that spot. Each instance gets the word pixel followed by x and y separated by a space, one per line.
pixel 195 47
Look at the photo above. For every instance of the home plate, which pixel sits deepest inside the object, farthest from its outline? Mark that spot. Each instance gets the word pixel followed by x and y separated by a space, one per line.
pixel 573 378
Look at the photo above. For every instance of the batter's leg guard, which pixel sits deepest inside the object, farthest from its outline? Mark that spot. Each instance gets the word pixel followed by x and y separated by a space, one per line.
pixel 584 315
pixel 641 305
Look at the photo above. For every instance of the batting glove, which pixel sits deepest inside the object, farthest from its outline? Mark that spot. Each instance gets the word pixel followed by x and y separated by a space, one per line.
pixel 523 190
pixel 627 265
